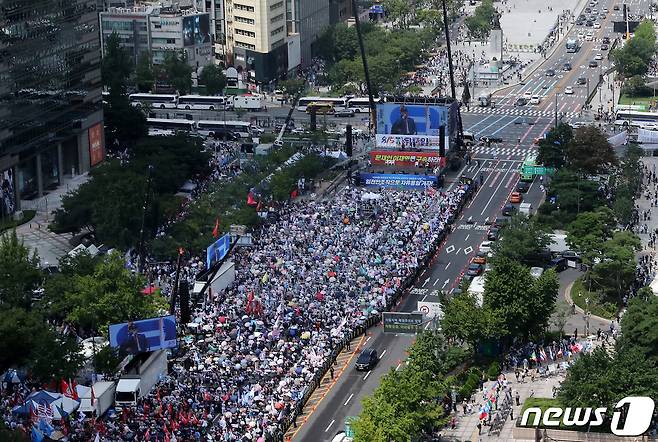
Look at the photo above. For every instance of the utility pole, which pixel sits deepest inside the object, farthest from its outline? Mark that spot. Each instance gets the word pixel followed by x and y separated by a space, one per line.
pixel 373 109
pixel 147 200
pixel 460 137
pixel 174 292
pixel 556 109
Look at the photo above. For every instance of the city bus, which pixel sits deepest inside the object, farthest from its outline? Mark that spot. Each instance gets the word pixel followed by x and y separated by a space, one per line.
pixel 531 168
pixel 334 101
pixel 156 101
pixel 200 102
pixel 361 104
pixel 573 45
pixel 241 129
pixel 644 120
pixel 320 108
pixel 172 125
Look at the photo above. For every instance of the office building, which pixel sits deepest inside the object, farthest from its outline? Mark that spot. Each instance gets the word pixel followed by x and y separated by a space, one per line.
pixel 51 117
pixel 156 30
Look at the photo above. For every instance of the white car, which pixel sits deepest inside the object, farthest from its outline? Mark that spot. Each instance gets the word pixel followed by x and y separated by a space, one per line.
pixel 589 37
pixel 485 246
pixel 568 90
pixel 581 36
pixel 605 10
pixel 598 57
pixel 527 95
pixel 597 25
pixel 535 99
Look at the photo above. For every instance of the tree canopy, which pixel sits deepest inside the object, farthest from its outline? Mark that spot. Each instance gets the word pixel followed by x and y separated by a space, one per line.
pixel 589 152
pixel 633 58
pixel 552 149
pixel 177 71
pixel 524 241
pixel 213 78
pixel 20 273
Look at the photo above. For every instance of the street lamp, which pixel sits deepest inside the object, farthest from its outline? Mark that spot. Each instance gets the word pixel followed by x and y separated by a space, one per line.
pixel 556 108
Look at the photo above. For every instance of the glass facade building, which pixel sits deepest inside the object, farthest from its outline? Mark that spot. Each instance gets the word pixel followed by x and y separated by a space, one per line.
pixel 51 117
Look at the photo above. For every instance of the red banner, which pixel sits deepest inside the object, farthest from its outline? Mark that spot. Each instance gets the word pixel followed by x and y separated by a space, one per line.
pixel 398 158
pixel 96 151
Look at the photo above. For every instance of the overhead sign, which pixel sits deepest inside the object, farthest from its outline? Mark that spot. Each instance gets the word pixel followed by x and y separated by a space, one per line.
pixel 537 170
pixel 430 309
pixel 402 322
pixel 411 125
pixel 418 159
pixel 146 335
pixel 397 180
pixel 218 250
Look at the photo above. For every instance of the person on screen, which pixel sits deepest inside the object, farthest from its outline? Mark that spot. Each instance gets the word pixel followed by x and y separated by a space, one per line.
pixel 135 342
pixel 404 125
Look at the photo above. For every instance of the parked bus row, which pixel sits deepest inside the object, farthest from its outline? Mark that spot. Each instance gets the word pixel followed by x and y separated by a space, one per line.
pixel 197 102
pixel 330 105
pixel 232 130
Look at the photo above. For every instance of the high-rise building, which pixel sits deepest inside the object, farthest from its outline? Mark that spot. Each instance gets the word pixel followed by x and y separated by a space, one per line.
pixel 156 30
pixel 51 116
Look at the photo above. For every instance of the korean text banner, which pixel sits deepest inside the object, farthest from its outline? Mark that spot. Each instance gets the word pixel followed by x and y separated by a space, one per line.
pixel 218 250
pixel 402 322
pixel 397 180
pixel 96 150
pixel 146 335
pixel 391 157
pixel 411 125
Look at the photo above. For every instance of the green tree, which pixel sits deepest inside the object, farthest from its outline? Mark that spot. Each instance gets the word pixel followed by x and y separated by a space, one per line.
pixel 177 71
pixel 18 332
pixel 20 273
pixel 124 124
pixel 144 74
pixel 464 320
pixel 110 295
pixel 588 231
pixel 640 326
pixel 634 57
pixel 572 195
pixel 399 12
pixel 116 65
pixel 293 87
pixel 523 241
pixel 213 78
pixel 552 149
pixel 523 304
pixel 616 270
pixel 589 152
pixel 560 316
pixel 54 357
pixel 428 353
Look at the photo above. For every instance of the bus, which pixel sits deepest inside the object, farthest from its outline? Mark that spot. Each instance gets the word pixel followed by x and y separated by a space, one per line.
pixel 645 120
pixel 156 101
pixel 320 108
pixel 361 104
pixel 573 45
pixel 200 102
pixel 531 168
pixel 171 125
pixel 334 101
pixel 241 129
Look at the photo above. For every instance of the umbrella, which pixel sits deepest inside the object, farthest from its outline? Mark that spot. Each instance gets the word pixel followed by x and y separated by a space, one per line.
pixel 150 290
pixel 13 376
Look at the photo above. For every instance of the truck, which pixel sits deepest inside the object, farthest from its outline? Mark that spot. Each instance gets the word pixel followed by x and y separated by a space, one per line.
pixel 142 373
pixel 103 398
pixel 247 102
pixel 573 45
pixel 476 288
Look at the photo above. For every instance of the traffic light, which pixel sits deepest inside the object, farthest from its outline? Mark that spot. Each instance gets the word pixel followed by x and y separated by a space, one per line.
pixel 348 140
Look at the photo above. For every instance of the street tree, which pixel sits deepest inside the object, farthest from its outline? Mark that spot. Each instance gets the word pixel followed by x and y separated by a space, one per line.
pixel 144 74
pixel 54 356
pixel 627 185
pixel 571 195
pixel 427 353
pixel 616 270
pixel 464 320
pixel 213 78
pixel 116 65
pixel 177 71
pixel 640 325
pixel 399 12
pixel 589 152
pixel 589 230
pixel 20 272
pixel 18 331
pixel 293 87
pixel 552 149
pixel 633 59
pixel 524 241
pixel 560 316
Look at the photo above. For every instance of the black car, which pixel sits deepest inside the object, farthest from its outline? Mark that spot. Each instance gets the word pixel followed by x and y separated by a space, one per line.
pixel 492 139
pixel 550 72
pixel 588 10
pixel 593 64
pixel 493 234
pixel 582 80
pixel 501 222
pixel 367 359
pixel 509 209
pixel 615 7
pixel 522 186
pixel 571 255
pixel 558 264
pixel 474 269
pixel 520 102
pixel 580 22
pixel 606 40
pixel 566 66
pixel 604 47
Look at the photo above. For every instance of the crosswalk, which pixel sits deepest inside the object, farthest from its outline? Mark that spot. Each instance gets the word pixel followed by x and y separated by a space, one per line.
pixel 509 153
pixel 518 112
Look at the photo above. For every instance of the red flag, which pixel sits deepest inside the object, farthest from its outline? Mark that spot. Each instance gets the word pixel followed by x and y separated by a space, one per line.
pixel 215 231
pixel 181 251
pixel 294 194
pixel 65 388
pixel 74 390
pixel 147 435
pixel 251 201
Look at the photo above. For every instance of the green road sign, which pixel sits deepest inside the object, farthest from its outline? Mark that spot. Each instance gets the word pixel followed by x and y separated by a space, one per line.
pixel 402 322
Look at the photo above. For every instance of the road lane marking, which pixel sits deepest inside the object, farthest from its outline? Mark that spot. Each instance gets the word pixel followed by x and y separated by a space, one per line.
pixel 509 181
pixel 437 281
pixel 464 241
pixel 424 297
pixel 348 399
pixel 367 374
pixel 329 426
pixel 382 355
pixel 428 325
pixel 495 192
pixel 494 179
pixel 450 249
pixel 398 367
pixel 368 339
pixel 425 283
pixel 447 265
pixel 457 252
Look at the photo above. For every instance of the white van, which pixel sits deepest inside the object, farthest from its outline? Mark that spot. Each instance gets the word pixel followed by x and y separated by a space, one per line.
pixel 525 208
pixel 535 99
pixel 469 138
pixel 485 246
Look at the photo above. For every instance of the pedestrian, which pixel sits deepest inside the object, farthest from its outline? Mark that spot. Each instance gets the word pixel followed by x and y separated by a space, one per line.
pixel 517 396
pixel 479 427
pixel 511 413
pixel 331 371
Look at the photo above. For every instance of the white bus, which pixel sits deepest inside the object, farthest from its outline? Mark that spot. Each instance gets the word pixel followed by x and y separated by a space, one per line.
pixel 636 119
pixel 239 128
pixel 361 104
pixel 200 102
pixel 172 125
pixel 337 102
pixel 156 101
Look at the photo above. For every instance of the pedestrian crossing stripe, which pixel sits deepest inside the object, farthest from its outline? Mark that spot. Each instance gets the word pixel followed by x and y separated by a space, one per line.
pixel 518 112
pixel 503 151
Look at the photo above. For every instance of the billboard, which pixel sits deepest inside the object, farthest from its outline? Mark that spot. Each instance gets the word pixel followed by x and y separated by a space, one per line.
pixel 96 150
pixel 398 180
pixel 406 159
pixel 400 322
pixel 218 250
pixel 146 335
pixel 196 29
pixel 411 125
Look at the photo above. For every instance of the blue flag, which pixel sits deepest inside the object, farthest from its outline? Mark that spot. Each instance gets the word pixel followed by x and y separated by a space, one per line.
pixel 45 427
pixel 37 436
